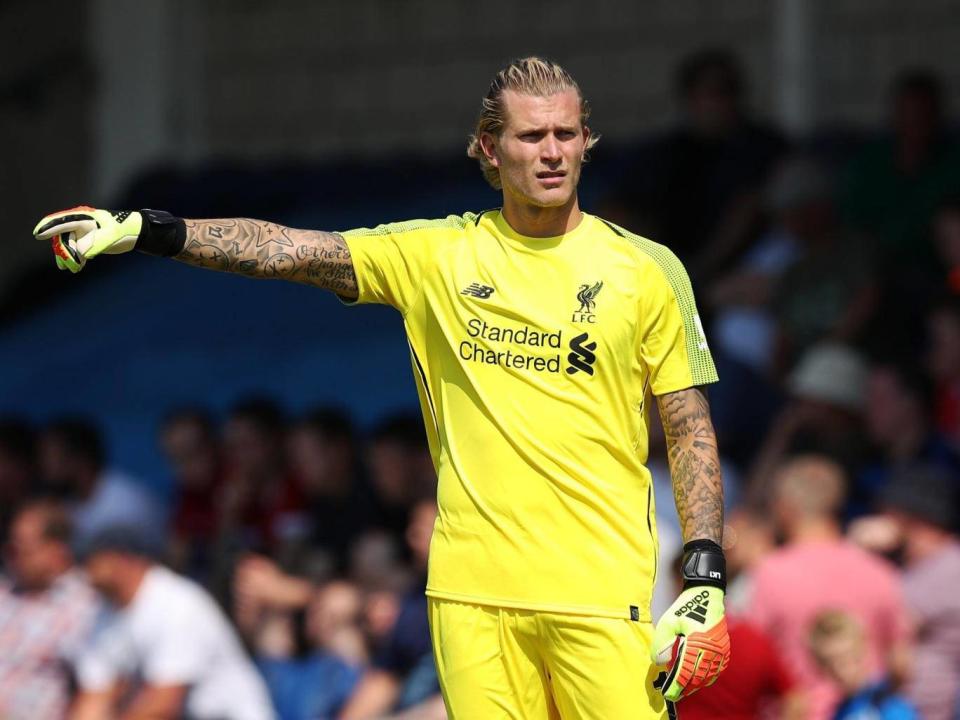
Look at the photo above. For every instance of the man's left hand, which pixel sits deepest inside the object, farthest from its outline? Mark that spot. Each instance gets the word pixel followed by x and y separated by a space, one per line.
pixel 691 637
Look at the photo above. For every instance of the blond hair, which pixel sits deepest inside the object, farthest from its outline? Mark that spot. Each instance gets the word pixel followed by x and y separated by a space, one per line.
pixel 529 76
pixel 831 625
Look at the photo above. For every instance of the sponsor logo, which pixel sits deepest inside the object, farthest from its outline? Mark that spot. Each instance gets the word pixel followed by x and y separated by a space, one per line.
pixel 582 356
pixel 477 290
pixel 695 608
pixel 519 358
pixel 587 295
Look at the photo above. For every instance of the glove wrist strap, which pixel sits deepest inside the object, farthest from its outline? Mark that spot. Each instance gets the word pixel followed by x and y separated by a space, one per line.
pixel 704 564
pixel 161 233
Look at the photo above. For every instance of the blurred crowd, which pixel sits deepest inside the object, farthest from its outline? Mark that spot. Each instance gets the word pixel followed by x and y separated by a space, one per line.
pixel 284 576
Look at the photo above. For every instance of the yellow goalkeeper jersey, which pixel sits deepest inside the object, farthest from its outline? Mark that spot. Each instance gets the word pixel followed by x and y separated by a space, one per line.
pixel 532 359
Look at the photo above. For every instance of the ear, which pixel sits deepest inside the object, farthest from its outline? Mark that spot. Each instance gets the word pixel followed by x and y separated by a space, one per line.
pixel 586 138
pixel 488 145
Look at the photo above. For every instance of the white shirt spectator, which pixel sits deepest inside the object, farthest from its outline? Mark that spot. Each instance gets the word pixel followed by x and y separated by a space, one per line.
pixel 173 633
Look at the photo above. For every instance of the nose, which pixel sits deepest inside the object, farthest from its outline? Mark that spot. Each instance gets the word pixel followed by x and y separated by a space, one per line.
pixel 550 150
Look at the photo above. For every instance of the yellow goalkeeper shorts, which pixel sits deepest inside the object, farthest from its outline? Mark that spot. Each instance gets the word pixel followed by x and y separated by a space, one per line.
pixel 496 662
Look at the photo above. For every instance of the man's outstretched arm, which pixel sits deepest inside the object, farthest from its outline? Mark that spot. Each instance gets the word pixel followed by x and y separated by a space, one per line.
pixel 691 637
pixel 267 250
pixel 250 247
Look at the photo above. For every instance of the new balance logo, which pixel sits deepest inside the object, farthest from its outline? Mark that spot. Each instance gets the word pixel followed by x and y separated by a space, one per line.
pixel 582 356
pixel 696 608
pixel 478 291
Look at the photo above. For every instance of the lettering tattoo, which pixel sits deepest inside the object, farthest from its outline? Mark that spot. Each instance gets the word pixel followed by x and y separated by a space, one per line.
pixel 266 250
pixel 694 464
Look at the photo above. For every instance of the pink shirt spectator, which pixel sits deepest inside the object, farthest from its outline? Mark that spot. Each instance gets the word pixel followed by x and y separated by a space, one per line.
pixel 800 580
pixel 930 587
pixel 41 635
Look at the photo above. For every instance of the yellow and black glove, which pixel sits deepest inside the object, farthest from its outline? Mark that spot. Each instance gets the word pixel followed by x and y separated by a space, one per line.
pixel 83 232
pixel 691 637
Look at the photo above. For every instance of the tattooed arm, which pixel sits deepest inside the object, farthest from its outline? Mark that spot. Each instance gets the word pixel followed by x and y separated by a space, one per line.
pixel 267 250
pixel 694 464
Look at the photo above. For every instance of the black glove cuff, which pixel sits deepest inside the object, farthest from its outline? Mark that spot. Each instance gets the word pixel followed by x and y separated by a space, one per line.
pixel 704 564
pixel 161 233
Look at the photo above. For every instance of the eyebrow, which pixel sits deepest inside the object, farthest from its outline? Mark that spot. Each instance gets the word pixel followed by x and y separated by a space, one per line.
pixel 542 128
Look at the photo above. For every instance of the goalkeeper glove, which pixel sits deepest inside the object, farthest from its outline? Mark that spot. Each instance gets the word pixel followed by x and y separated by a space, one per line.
pixel 82 233
pixel 691 637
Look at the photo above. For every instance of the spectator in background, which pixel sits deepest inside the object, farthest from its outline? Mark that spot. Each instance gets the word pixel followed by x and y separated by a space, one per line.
pixel 823 415
pixel 323 457
pixel 262 501
pixel 894 186
pixel 750 345
pixel 899 405
pixel 922 504
pixel 916 288
pixel 315 685
pixel 167 644
pixel 17 467
pixel 47 612
pixel 943 363
pixel 946 240
pixel 401 470
pixel 403 675
pixel 73 465
pixel 817 569
pixel 189 442
pixel 697 188
pixel 828 292
pixel 838 646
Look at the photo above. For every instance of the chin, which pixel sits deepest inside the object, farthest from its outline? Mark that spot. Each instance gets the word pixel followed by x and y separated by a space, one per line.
pixel 555 197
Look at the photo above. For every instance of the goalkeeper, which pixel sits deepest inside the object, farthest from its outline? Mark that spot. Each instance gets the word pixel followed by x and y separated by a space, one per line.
pixel 537 335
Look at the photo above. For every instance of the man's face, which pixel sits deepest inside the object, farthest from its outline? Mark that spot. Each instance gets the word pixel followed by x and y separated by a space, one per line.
pixel 34 560
pixel 540 150
pixel 842 659
pixel 250 450
pixel 191 454
pixel 889 406
pixel 58 467
pixel 102 570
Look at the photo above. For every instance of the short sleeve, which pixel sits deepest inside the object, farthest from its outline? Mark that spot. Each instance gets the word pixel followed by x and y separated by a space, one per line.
pixel 673 345
pixel 391 261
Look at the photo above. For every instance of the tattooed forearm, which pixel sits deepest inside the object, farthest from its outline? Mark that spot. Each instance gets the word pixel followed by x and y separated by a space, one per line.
pixel 694 464
pixel 267 250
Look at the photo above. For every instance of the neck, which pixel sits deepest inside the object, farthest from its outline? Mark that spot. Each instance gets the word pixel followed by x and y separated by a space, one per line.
pixel 131 584
pixel 812 529
pixel 536 221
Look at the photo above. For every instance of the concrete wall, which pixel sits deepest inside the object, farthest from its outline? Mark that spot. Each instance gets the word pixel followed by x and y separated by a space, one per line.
pixel 314 78
pixel 47 88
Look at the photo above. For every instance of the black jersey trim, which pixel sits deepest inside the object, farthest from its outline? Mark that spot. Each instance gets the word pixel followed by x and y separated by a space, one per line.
pixel 484 212
pixel 426 388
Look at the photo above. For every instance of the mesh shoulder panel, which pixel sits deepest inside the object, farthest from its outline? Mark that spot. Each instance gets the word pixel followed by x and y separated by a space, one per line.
pixel 457 222
pixel 702 368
